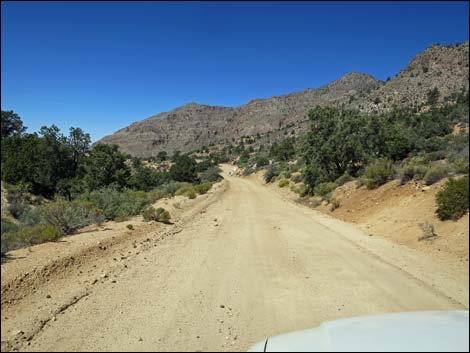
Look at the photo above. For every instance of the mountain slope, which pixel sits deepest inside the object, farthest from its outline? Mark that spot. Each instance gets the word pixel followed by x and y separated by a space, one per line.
pixel 193 126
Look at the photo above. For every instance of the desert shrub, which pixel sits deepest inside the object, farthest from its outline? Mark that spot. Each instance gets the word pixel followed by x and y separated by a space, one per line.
pixel 283 182
pixel 343 179
pixel 435 173
pixel 17 208
pixel 156 194
pixel 378 173
pixel 302 190
pixel 460 165
pixel 187 190
pixel 31 217
pixel 149 214
pixel 184 169
pixel 115 203
pixel 294 168
pixel 261 161
pixel 170 188
pixel 452 200
pixel 433 156
pixel 69 216
pixel 18 199
pixel 40 233
pixel 315 203
pixel 25 236
pixel 428 231
pixel 120 219
pixel 130 226
pixel 159 214
pixel 248 171
pixel 324 189
pixel 163 215
pixel 285 174
pixel 412 172
pixel 212 174
pixel 297 178
pixel 11 241
pixel 270 174
pixel 335 203
pixel 203 188
pixel 8 226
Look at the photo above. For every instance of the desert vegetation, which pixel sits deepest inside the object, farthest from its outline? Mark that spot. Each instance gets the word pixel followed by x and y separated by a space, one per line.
pixel 409 144
pixel 57 184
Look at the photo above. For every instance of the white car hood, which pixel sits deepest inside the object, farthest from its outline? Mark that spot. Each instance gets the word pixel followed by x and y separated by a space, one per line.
pixel 413 331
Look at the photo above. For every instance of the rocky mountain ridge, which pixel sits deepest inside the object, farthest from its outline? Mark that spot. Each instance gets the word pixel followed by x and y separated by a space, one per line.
pixel 194 126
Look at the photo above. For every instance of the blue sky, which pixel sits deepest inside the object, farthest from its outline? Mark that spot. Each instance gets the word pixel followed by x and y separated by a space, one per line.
pixel 102 65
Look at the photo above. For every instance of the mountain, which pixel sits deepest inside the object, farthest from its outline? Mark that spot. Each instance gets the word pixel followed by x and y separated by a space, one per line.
pixel 193 126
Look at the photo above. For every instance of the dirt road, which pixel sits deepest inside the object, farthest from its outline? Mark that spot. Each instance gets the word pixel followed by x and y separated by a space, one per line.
pixel 245 266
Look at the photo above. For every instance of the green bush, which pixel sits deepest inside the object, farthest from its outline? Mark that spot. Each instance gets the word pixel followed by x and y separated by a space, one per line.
pixel 435 173
pixel 378 173
pixel 69 216
pixel 130 226
pixel 460 165
pixel 270 174
pixel 171 187
pixel 412 172
pixel 29 236
pixel 41 233
pixel 248 171
pixel 187 190
pixel 344 179
pixel 452 200
pixel 156 194
pixel 8 226
pixel 211 174
pixel 184 169
pixel 324 189
pixel 31 217
pixel 433 156
pixel 302 190
pixel 115 203
pixel 261 161
pixel 203 188
pixel 297 178
pixel 283 182
pixel 285 174
pixel 159 215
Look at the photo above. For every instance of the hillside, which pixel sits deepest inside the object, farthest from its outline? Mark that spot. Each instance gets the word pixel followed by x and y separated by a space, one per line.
pixel 193 126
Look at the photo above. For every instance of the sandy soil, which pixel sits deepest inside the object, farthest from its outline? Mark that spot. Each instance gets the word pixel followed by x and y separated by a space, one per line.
pixel 240 264
pixel 395 212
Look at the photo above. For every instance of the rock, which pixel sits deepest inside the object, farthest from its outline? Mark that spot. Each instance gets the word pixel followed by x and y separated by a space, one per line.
pixel 426 188
pixel 17 333
pixel 48 296
pixel 94 281
pixel 222 306
pixel 104 275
